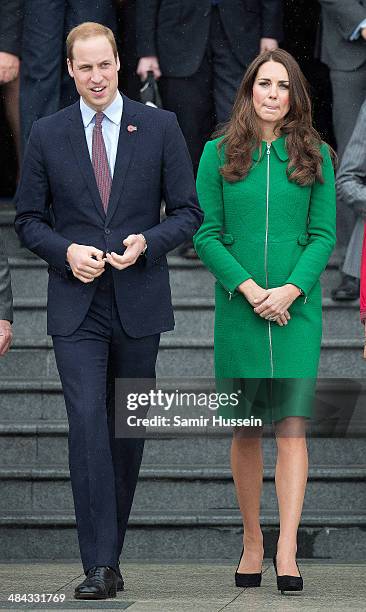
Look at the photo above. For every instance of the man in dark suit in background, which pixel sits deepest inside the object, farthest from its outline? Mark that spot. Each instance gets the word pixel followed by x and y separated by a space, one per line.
pixel 351 187
pixel 343 50
pixel 45 84
pixel 10 34
pixel 104 164
pixel 11 21
pixel 6 302
pixel 11 25
pixel 199 52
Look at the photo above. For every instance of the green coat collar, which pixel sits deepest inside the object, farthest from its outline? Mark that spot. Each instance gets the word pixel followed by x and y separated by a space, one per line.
pixel 279 145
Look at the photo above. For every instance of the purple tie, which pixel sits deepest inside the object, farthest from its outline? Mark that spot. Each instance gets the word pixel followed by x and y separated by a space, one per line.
pixel 100 162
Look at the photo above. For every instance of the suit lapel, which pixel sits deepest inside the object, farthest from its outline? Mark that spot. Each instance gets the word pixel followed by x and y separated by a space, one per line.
pixel 76 134
pixel 126 145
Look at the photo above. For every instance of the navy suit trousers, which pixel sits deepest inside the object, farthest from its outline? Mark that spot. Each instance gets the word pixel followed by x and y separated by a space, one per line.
pixel 103 469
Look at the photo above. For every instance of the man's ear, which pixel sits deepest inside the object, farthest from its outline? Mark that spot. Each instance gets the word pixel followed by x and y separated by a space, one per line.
pixel 118 62
pixel 69 67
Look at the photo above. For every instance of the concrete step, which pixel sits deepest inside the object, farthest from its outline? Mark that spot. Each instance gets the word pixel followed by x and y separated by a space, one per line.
pixel 42 442
pixel 330 278
pixel 194 318
pixel 338 408
pixel 33 358
pixel 183 536
pixel 29 277
pixel 25 400
pixel 188 278
pixel 183 281
pixel 342 358
pixel 199 489
pixel 10 238
pixel 329 518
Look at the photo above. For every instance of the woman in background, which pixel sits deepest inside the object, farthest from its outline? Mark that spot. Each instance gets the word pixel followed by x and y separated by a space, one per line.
pixel 266 186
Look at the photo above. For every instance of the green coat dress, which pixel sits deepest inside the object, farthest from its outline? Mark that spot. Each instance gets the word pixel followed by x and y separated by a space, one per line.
pixel 275 231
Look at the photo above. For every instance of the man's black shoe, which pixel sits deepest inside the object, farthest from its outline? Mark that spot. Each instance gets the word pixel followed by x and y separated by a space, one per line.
pixel 100 583
pixel 349 289
pixel 120 582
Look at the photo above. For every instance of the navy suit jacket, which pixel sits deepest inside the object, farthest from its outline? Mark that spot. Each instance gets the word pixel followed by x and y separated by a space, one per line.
pixel 58 203
pixel 11 25
pixel 177 31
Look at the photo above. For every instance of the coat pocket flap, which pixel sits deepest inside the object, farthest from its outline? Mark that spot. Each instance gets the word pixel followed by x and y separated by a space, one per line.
pixel 227 238
pixel 303 239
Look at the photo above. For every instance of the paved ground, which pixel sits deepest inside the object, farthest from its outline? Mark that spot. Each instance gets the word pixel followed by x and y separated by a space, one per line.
pixel 335 587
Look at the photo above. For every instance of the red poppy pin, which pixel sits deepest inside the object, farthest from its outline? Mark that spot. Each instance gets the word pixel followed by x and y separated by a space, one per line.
pixel 132 128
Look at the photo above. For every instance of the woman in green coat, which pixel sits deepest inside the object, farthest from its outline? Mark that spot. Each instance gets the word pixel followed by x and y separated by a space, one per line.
pixel 267 189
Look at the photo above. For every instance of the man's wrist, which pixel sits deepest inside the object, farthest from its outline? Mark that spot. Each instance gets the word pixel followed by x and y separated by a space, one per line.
pixel 145 244
pixel 69 248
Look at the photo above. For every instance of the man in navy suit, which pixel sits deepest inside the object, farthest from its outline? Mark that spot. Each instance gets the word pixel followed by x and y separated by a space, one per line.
pixel 93 178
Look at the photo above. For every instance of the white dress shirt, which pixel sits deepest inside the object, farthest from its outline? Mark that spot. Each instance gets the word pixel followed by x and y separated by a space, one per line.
pixel 110 127
pixel 357 31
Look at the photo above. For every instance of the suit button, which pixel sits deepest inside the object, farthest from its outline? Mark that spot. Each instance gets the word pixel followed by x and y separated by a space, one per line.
pixel 107 231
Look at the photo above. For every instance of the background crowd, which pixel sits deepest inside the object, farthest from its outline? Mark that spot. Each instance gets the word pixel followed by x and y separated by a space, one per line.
pixel 198 52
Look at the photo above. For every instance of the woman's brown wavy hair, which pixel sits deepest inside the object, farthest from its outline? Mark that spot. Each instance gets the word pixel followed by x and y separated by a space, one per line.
pixel 242 134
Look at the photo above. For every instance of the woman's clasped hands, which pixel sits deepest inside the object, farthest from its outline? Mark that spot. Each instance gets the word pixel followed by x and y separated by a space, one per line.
pixel 271 304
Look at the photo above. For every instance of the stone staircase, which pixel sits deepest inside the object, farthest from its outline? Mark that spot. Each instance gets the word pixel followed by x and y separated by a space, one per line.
pixel 185 506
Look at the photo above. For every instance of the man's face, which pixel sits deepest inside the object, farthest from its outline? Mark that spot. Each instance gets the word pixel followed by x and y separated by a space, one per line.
pixel 95 71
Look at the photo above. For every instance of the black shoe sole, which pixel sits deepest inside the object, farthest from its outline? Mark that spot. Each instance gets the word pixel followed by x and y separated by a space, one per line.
pixel 283 591
pixel 110 595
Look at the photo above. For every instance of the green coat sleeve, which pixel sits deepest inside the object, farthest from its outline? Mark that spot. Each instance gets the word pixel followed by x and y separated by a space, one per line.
pixel 207 241
pixel 321 229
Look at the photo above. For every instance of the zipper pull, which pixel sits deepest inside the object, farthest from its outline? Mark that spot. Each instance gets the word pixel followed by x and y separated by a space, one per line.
pixel 306 299
pixel 230 295
pixel 268 148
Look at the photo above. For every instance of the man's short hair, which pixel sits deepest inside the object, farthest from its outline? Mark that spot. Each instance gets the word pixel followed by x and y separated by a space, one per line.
pixel 86 30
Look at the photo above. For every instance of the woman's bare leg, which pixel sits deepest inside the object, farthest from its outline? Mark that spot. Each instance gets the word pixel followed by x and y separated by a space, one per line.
pixel 291 477
pixel 247 469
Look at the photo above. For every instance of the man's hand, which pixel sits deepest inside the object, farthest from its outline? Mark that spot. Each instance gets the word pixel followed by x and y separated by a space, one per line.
pixel 363 33
pixel 278 302
pixel 255 294
pixel 268 44
pixel 135 244
pixel 86 262
pixel 5 336
pixel 9 67
pixel 147 64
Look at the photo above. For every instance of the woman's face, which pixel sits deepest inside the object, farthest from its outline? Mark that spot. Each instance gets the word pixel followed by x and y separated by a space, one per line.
pixel 271 92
